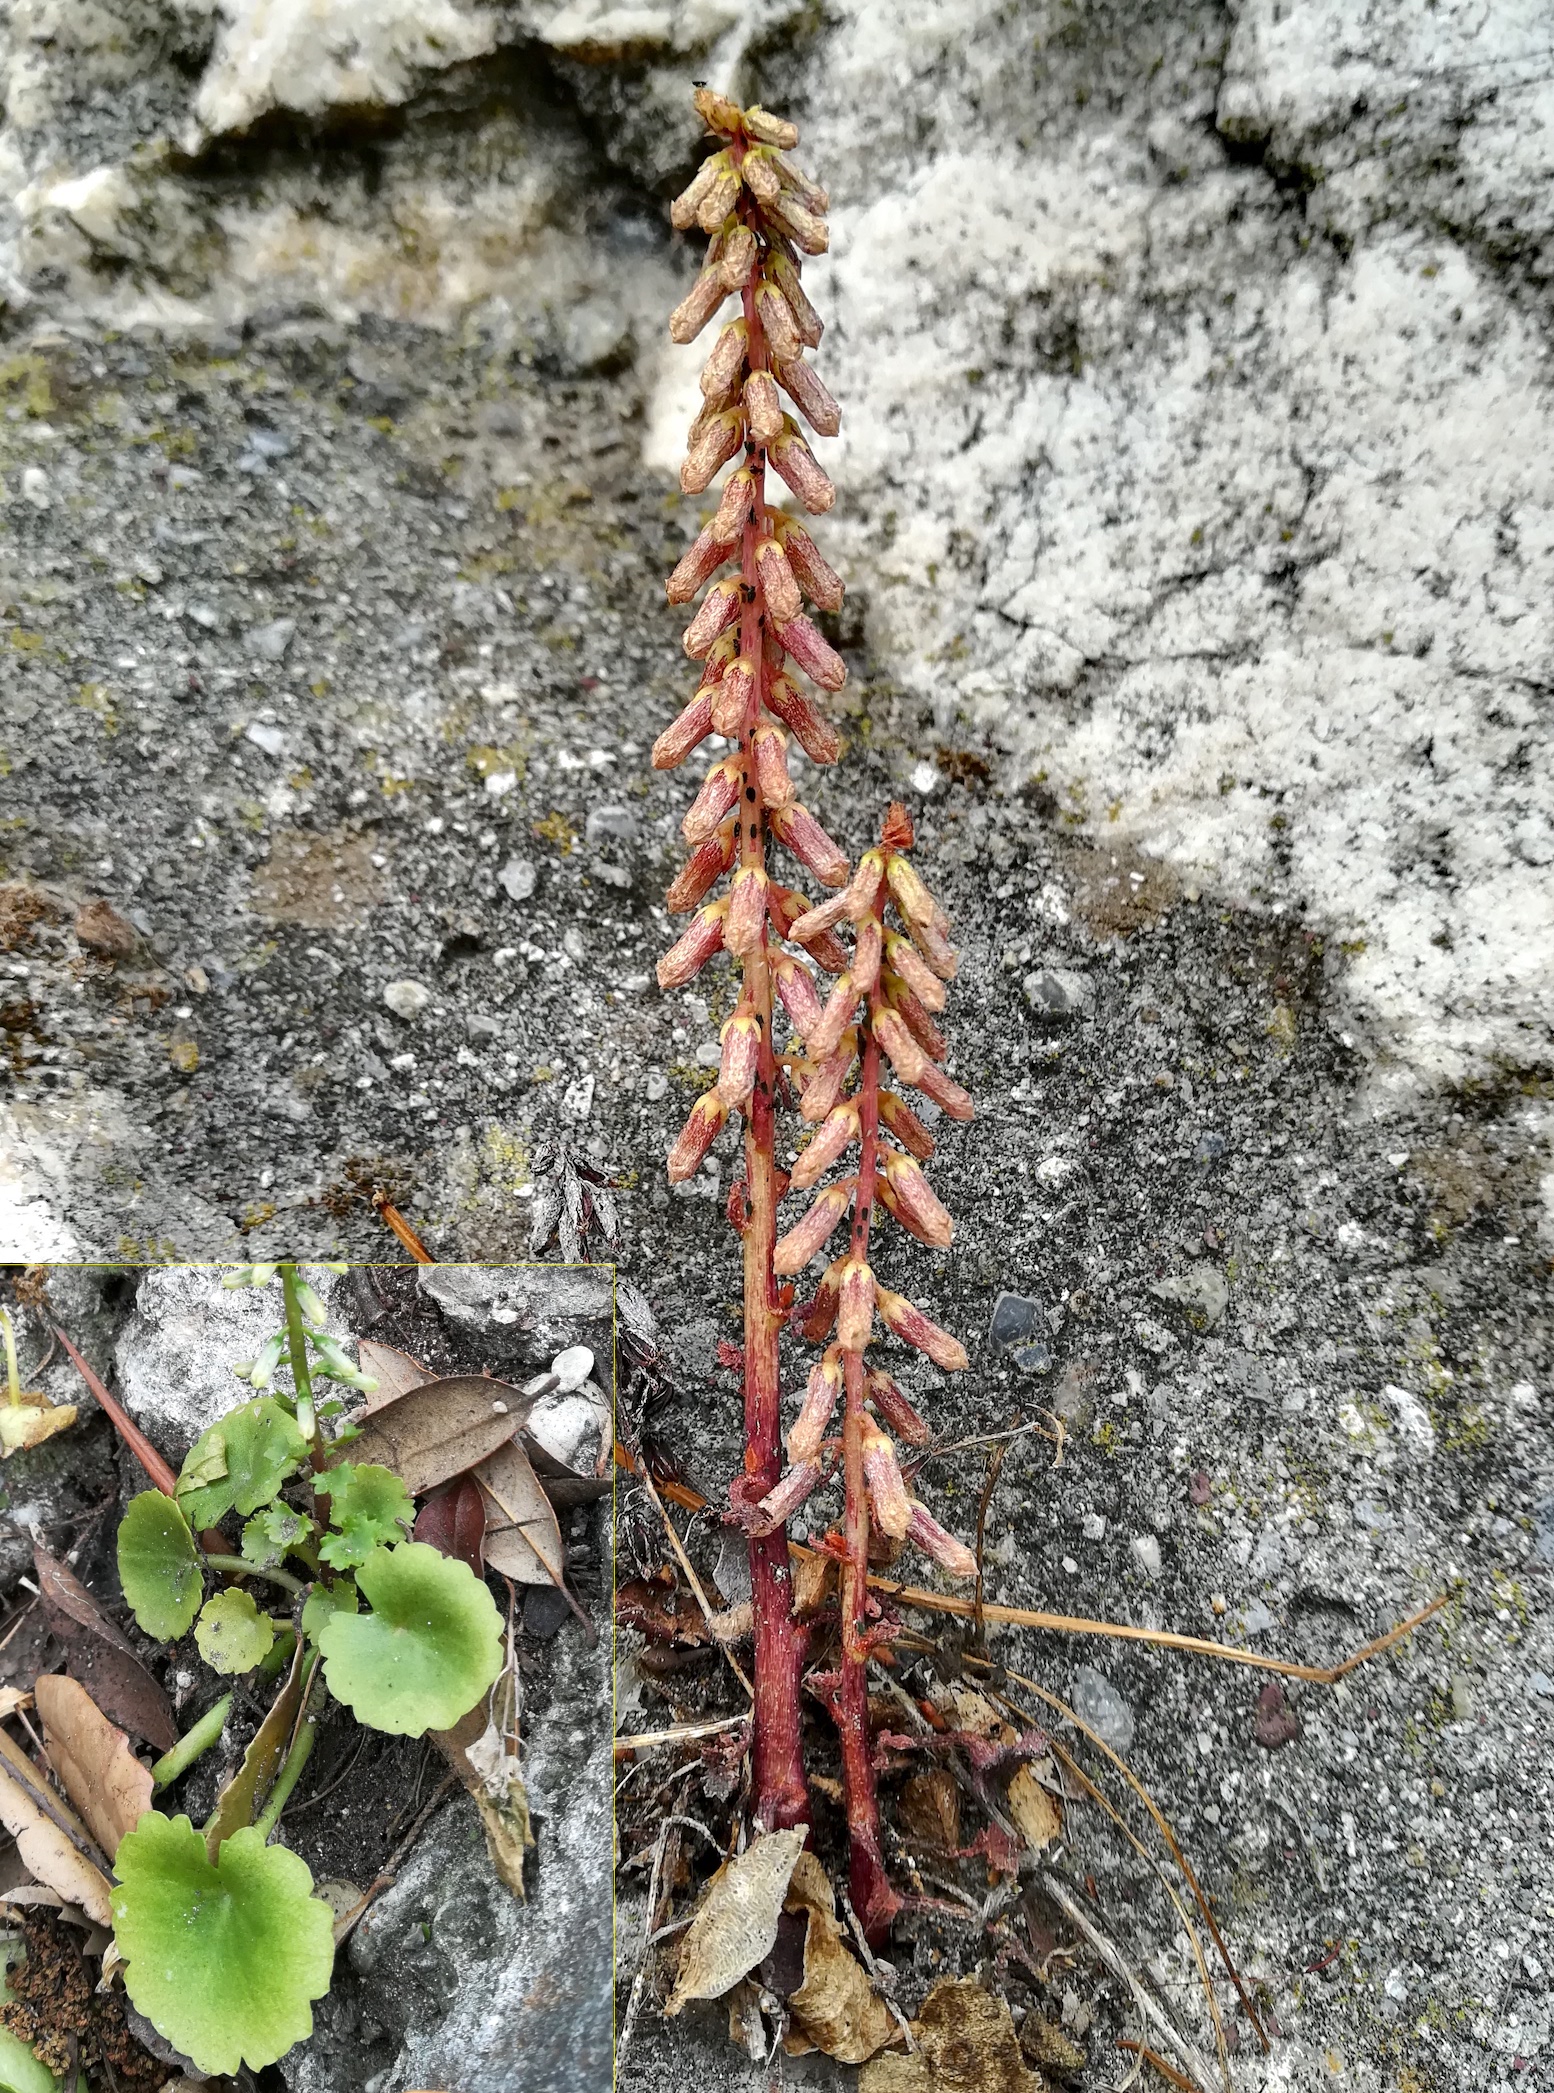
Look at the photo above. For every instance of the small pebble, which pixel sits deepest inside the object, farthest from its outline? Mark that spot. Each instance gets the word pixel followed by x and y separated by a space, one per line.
pixel 1274 1725
pixel 406 998
pixel 517 878
pixel 1095 1700
pixel 1057 995
pixel 1208 1148
pixel 1146 1553
pixel 1094 1527
pixel 572 1368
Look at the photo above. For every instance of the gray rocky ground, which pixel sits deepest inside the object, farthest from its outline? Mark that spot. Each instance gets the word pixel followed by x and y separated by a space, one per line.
pixel 1196 513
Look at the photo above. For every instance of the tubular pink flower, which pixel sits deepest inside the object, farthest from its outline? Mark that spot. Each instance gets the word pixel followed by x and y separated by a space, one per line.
pixel 824 1088
pixel 720 608
pixel 793 459
pixel 903 958
pixel 685 960
pixel 683 735
pixel 887 1491
pixel 826 1036
pixel 893 1406
pixel 913 1201
pixel 723 372
pixel 777 1507
pixel 795 986
pixel 913 1327
pixel 856 1302
pixel 741 1043
pixel 720 790
pixel 696 1137
pixel 746 924
pixel 809 1236
pixel 798 830
pixel 777 583
pixel 833 1137
pixel 819 1406
pixel 925 1533
pixel 701 871
pixel 770 745
pixel 763 408
pixel 904 1123
pixel 809 394
pixel 816 736
pixel 814 654
pixel 732 699
pixel 819 581
pixel 698 564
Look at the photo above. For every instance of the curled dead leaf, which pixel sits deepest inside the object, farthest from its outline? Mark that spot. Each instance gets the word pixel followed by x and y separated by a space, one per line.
pixel 737 1924
pixel 101 1657
pixel 835 2006
pixel 54 1844
pixel 101 1775
pixel 522 1539
pixel 965 2039
pixel 1035 1815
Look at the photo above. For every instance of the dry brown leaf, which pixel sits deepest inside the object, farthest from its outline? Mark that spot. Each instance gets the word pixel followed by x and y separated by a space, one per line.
pixel 244 1795
pixel 101 1775
pixel 836 2006
pixel 51 1838
pixel 930 1809
pixel 737 1924
pixel 396 1373
pixel 431 1433
pixel 1035 1815
pixel 12 1701
pixel 523 1539
pixel 967 2041
pixel 27 1424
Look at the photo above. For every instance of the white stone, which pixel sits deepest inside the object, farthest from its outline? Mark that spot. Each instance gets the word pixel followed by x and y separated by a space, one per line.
pixel 1146 1553
pixel 406 998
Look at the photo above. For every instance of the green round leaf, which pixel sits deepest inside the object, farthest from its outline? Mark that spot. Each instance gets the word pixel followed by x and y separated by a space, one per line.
pixel 368 1505
pixel 232 1633
pixel 324 1601
pixel 241 1461
pixel 271 1535
pixel 159 1566
pixel 224 1960
pixel 428 1650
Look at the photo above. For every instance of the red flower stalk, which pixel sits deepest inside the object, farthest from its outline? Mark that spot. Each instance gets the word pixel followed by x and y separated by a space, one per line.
pixel 761 214
pixel 867 1013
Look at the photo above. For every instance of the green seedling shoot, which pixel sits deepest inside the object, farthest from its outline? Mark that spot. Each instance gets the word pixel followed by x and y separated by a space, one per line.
pixel 225 1943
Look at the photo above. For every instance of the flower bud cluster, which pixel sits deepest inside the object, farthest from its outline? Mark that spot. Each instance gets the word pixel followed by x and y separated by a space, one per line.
pixel 878 1017
pixel 754 639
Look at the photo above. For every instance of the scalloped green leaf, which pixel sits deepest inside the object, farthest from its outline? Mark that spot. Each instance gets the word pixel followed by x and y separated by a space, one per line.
pixel 159 1566
pixel 428 1650
pixel 232 1633
pixel 271 1534
pixel 224 1960
pixel 368 1505
pixel 240 1461
pixel 324 1601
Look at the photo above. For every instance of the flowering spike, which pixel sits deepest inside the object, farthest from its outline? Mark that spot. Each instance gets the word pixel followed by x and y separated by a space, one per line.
pixel 761 213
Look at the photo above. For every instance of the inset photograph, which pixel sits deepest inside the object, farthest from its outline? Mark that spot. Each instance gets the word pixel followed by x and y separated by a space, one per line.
pixel 304 1678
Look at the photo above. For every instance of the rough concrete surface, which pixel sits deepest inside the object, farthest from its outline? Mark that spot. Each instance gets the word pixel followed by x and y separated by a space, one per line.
pixel 1195 508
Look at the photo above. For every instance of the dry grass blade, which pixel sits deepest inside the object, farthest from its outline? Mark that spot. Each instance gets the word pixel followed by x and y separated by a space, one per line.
pixel 1153 2058
pixel 1160 1638
pixel 241 1800
pixel 681 1733
pixel 1197 2064
pixel 1139 1789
